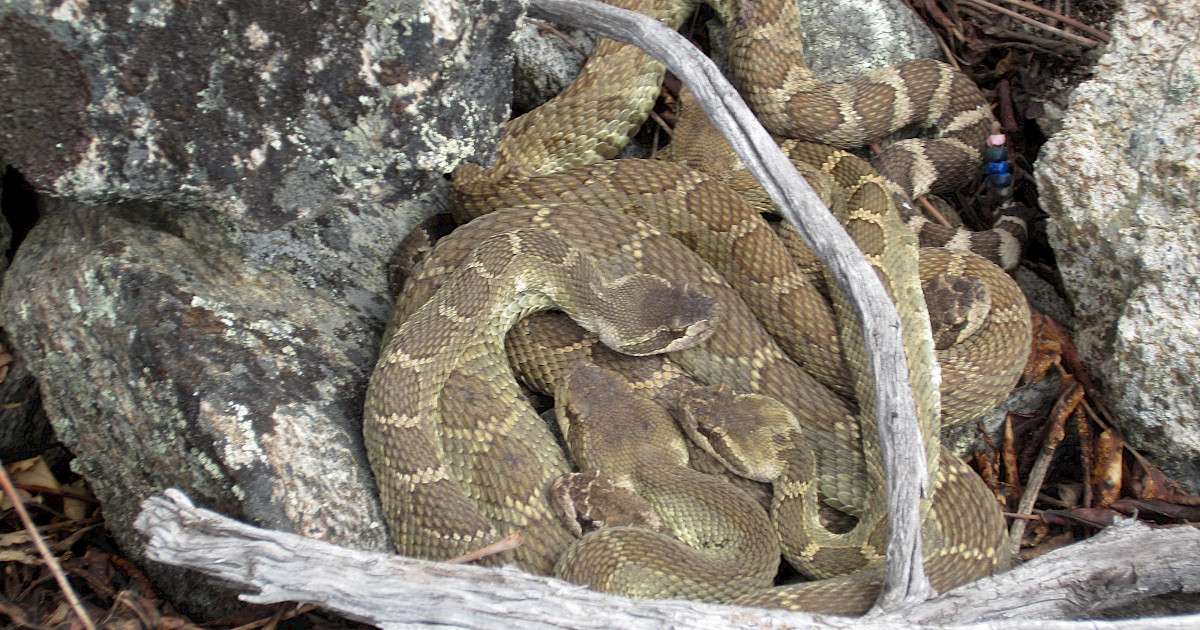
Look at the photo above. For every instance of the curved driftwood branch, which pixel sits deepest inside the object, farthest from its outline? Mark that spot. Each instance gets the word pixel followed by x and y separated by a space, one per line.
pixel 896 412
pixel 1123 563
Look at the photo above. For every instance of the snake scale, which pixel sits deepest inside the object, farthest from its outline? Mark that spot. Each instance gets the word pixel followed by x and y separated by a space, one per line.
pixel 462 460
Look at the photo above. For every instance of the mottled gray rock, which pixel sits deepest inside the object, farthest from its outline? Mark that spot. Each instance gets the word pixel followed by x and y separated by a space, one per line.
pixel 851 37
pixel 203 305
pixel 843 40
pixel 165 360
pixel 544 63
pixel 268 113
pixel 1120 183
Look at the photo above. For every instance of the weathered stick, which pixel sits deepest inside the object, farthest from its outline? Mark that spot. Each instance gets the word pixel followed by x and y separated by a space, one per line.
pixel 896 413
pixel 1123 563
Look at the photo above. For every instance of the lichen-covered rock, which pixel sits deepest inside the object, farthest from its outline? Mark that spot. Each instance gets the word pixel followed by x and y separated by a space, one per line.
pixel 202 305
pixel 1120 183
pixel 544 63
pixel 166 361
pixel 851 37
pixel 269 113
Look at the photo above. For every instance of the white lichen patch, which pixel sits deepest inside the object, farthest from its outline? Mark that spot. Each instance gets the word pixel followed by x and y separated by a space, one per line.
pixel 144 129
pixel 319 471
pixel 237 439
pixel 361 147
pixel 95 304
pixel 256 38
pixel 246 333
pixel 226 319
pixel 370 51
pixel 446 154
pixel 315 64
pixel 69 11
pixel 212 97
pixel 270 69
pixel 258 155
pixel 417 87
pixel 90 174
pixel 440 16
pixel 152 12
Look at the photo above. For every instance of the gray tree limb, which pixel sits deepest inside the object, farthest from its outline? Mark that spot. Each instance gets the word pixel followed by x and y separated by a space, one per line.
pixel 896 413
pixel 1125 562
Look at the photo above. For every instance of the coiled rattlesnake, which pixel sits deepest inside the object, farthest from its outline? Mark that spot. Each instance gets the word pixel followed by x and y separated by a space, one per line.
pixel 456 474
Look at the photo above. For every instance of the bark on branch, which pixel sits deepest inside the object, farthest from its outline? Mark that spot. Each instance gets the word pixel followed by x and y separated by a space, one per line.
pixel 896 413
pixel 1125 562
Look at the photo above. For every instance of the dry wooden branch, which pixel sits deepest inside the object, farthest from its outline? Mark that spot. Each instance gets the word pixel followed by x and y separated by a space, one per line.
pixel 1123 563
pixel 896 413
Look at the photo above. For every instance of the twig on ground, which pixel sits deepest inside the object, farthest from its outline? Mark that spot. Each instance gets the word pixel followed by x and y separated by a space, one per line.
pixel 1068 400
pixel 1071 37
pixel 51 561
pixel 512 541
pixel 1090 30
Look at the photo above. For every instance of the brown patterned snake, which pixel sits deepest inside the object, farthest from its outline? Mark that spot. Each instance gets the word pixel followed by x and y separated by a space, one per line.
pixel 462 462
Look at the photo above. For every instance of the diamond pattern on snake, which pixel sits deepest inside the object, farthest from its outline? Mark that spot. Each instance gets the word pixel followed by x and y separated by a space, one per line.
pixel 710 385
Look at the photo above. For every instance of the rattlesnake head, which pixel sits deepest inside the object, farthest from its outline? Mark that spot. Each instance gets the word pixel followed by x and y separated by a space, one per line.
pixel 750 434
pixel 670 318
